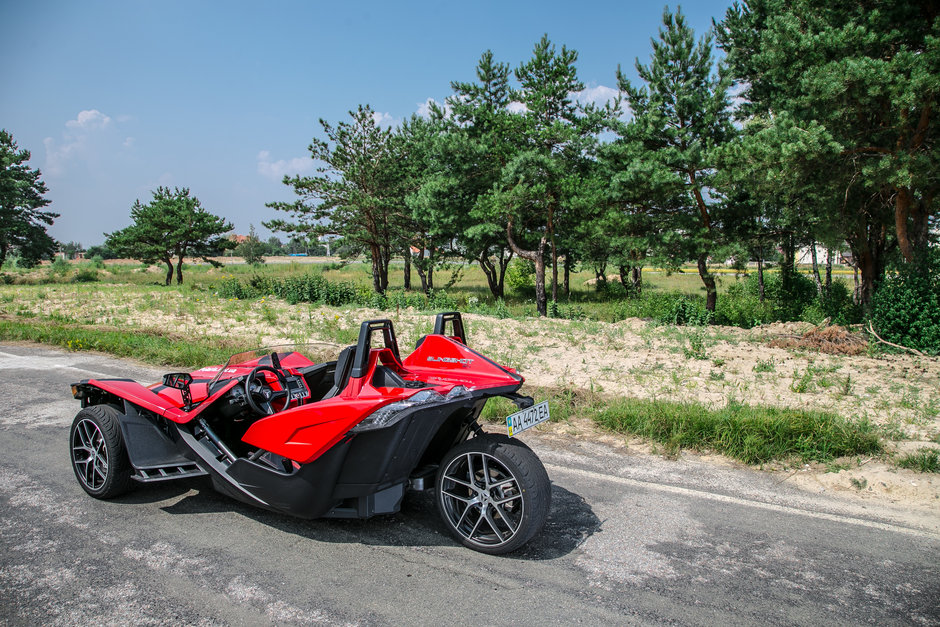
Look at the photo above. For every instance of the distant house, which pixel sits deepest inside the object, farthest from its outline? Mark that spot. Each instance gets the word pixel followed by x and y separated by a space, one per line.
pixel 238 239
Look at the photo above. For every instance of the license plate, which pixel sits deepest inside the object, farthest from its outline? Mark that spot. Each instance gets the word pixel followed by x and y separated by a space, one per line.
pixel 527 418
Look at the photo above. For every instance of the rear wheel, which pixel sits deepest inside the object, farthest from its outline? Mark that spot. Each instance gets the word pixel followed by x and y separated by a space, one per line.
pixel 99 457
pixel 493 493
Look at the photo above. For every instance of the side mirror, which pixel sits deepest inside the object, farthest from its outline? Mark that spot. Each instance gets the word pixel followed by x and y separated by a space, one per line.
pixel 180 381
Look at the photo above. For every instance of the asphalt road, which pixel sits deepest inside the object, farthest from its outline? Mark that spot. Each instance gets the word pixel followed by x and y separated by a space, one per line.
pixel 631 540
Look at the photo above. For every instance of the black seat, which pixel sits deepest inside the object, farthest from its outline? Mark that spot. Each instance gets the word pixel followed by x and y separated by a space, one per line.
pixel 344 364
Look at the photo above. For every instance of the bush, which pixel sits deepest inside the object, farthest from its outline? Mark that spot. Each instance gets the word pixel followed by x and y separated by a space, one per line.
pixel 740 306
pixel 60 267
pixel 520 275
pixel 230 287
pixel 686 310
pixel 85 275
pixel 905 308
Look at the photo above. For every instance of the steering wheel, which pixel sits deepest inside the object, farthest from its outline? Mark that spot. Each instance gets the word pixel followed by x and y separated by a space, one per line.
pixel 260 395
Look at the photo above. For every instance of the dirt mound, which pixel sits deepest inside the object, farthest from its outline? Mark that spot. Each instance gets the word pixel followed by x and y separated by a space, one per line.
pixel 834 340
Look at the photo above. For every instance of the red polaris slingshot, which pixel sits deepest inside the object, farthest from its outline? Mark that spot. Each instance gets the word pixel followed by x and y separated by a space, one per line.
pixel 342 439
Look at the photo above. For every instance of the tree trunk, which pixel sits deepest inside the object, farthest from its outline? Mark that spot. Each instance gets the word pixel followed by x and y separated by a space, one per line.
pixel 492 278
pixel 538 258
pixel 179 270
pixel 624 272
pixel 828 271
pixel 856 292
pixel 711 292
pixel 868 244
pixel 760 278
pixel 379 269
pixel 638 279
pixel 788 267
pixel 169 270
pixel 600 275
pixel 816 277
pixel 495 272
pixel 567 283
pixel 3 254
pixel 902 208
pixel 541 301
pixel 407 255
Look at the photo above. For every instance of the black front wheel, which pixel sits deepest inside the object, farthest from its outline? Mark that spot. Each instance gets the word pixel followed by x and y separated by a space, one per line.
pixel 493 493
pixel 99 457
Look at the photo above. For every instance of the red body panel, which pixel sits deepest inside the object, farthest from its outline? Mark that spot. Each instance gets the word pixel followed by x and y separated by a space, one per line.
pixel 306 432
pixel 441 358
pixel 160 405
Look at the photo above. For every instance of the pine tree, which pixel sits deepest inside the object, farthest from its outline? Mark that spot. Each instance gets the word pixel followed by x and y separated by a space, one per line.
pixel 172 226
pixel 665 159
pixel 354 193
pixel 23 223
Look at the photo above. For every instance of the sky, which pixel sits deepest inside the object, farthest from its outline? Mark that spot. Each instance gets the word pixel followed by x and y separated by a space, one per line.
pixel 115 98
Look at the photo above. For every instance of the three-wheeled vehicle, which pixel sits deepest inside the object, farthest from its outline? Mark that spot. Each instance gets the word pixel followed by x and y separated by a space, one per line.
pixel 344 438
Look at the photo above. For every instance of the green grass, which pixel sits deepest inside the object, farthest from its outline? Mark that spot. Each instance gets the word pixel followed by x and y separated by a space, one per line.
pixel 661 290
pixel 925 459
pixel 752 434
pixel 143 345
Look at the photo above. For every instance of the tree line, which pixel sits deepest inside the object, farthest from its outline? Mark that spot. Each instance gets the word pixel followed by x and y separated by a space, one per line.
pixel 817 127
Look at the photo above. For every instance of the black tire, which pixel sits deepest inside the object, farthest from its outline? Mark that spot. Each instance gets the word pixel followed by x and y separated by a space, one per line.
pixel 97 451
pixel 493 493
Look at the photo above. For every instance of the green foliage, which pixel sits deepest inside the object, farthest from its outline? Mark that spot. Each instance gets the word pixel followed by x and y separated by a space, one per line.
pixel 906 307
pixel 686 311
pixel 60 267
pixel 751 434
pixel 171 226
pixel 841 133
pixel 765 365
pixel 23 222
pixel 666 157
pixel 520 276
pixel 925 459
pixel 740 306
pixel 85 275
pixel 156 348
pixel 696 348
pixel 354 192
pixel 252 249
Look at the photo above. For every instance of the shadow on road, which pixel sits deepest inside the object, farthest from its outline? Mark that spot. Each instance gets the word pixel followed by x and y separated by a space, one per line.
pixel 570 522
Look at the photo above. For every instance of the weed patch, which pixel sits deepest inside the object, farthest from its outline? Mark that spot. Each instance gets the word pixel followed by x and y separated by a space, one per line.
pixel 752 434
pixel 925 459
pixel 151 347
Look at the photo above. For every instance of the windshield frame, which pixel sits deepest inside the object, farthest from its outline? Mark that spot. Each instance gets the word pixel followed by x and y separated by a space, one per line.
pixel 282 351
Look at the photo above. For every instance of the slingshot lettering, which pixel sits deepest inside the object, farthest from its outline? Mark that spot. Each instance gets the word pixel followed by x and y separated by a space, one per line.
pixel 451 360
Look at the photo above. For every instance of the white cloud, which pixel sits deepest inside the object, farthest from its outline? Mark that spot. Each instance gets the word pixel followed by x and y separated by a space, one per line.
pixel 89 135
pixel 596 94
pixel 91 119
pixel 276 170
pixel 516 107
pixel 383 119
pixel 424 108
pixel 129 142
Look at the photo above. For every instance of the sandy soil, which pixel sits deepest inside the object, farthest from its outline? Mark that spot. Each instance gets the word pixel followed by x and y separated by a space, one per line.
pixel 631 358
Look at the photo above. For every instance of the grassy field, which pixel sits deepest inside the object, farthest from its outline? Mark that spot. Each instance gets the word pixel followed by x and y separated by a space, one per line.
pixel 460 286
pixel 680 387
